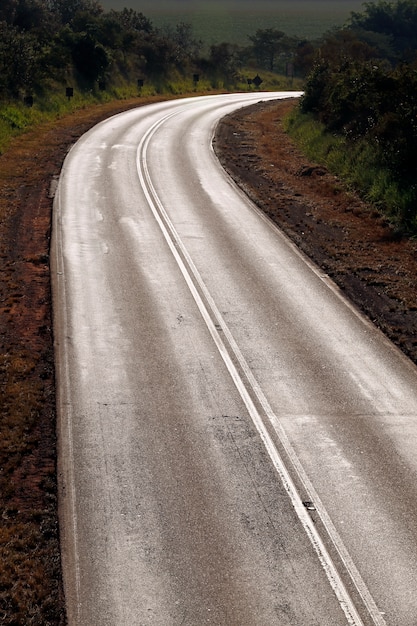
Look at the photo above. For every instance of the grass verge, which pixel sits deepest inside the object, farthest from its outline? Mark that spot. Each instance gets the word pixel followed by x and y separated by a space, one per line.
pixel 358 165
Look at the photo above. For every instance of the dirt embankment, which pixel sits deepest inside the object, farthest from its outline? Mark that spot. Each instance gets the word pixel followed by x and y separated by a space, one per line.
pixel 340 233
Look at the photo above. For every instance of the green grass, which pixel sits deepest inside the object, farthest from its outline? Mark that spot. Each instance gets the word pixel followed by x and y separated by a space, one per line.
pixel 16 118
pixel 233 21
pixel 358 165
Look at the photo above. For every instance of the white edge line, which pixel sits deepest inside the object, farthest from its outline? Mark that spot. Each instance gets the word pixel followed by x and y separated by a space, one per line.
pixel 66 469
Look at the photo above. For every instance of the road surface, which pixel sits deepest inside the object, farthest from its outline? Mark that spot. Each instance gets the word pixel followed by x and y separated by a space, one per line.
pixel 237 445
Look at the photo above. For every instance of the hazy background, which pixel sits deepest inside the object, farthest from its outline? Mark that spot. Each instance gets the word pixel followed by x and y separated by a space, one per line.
pixel 215 21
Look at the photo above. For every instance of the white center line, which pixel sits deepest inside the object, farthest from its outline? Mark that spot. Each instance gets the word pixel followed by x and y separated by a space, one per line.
pixel 214 321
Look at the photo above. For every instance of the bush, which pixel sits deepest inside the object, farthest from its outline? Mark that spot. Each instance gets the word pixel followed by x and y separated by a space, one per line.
pixel 361 165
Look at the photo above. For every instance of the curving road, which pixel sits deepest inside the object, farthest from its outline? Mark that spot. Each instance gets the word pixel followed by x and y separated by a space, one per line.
pixel 237 445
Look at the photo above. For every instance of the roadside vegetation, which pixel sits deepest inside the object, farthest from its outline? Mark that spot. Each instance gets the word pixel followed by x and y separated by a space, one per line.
pixel 58 55
pixel 358 115
pixel 66 64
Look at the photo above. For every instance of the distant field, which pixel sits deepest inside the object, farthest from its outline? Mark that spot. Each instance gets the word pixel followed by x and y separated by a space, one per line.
pixel 232 20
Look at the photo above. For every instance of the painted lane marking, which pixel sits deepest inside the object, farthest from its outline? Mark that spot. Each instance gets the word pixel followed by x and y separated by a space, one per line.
pixel 215 322
pixel 66 462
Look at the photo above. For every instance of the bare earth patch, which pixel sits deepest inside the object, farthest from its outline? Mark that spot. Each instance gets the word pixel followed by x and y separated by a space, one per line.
pixel 339 232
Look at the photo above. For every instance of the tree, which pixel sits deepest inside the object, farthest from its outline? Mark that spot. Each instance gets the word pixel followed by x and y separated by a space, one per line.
pixel 68 9
pixel 224 61
pixel 90 57
pixel 396 128
pixel 342 45
pixel 304 57
pixel 395 21
pixel 8 11
pixel 28 14
pixel 157 54
pixel 19 60
pixel 184 48
pixel 131 20
pixel 124 32
pixel 267 45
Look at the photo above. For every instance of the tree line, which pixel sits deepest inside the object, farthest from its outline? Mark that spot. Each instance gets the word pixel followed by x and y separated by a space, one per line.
pixel 53 41
pixel 46 41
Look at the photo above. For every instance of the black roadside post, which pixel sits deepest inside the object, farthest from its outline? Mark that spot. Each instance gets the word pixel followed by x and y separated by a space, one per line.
pixel 257 81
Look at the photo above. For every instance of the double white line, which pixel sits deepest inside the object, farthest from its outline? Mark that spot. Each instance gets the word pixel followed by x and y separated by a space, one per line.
pixel 249 390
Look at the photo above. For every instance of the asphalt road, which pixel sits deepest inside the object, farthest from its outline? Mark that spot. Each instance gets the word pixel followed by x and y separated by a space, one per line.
pixel 237 445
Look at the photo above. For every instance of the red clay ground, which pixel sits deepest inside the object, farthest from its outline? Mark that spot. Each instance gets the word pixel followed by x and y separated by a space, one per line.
pixel 339 232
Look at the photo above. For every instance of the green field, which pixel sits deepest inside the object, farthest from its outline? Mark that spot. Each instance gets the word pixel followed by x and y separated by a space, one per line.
pixel 233 21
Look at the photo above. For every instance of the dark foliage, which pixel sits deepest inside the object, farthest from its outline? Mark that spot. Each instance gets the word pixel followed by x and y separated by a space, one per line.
pixel 395 23
pixel 55 39
pixel 359 88
pixel 61 40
